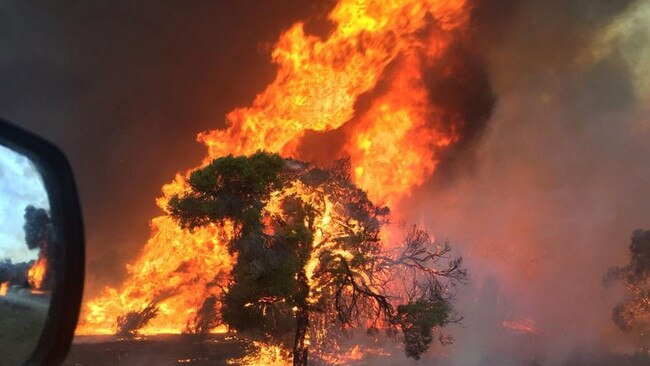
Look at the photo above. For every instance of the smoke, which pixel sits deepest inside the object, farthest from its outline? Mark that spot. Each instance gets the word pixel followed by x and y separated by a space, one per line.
pixel 544 203
pixel 124 88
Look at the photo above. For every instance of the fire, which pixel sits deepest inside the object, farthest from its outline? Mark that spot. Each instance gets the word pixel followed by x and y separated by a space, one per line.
pixel 328 223
pixel 36 273
pixel 177 270
pixel 376 52
pixel 393 150
pixel 394 142
pixel 265 355
pixel 520 326
pixel 4 288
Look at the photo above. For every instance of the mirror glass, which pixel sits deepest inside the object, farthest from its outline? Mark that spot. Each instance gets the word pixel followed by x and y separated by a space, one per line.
pixel 26 252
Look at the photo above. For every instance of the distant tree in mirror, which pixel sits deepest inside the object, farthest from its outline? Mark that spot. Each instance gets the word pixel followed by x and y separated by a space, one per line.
pixel 39 234
pixel 38 227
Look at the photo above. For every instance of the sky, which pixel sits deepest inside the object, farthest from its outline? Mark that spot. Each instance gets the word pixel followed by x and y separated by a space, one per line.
pixel 20 185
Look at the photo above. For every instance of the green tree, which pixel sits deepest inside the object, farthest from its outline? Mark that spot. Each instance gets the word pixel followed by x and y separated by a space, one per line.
pixel 308 247
pixel 39 234
pixel 633 312
pixel 38 227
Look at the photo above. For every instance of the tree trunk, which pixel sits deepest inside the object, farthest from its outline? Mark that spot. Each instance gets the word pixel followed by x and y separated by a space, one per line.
pixel 300 349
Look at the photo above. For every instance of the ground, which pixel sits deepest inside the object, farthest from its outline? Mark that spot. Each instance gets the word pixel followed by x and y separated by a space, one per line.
pixel 172 350
pixel 20 329
pixel 161 350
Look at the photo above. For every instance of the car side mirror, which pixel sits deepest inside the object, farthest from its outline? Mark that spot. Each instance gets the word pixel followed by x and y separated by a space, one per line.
pixel 41 250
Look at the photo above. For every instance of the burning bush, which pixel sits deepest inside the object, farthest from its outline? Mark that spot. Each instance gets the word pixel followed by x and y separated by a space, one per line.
pixel 633 313
pixel 207 318
pixel 309 246
pixel 129 323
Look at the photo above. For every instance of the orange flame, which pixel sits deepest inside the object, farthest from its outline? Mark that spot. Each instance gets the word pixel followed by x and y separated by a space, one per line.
pixel 36 273
pixel 393 144
pixel 4 288
pixel 520 326
pixel 375 52
pixel 265 355
pixel 176 269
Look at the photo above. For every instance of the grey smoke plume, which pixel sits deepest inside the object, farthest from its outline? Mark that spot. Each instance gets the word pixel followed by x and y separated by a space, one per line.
pixel 545 202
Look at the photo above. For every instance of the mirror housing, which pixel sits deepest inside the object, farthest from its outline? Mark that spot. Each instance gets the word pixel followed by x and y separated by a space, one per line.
pixel 61 320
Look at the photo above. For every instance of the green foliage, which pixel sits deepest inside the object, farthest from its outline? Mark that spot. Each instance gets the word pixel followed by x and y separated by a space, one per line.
pixel 634 310
pixel 417 319
pixel 229 187
pixel 38 227
pixel 268 289
pixel 237 188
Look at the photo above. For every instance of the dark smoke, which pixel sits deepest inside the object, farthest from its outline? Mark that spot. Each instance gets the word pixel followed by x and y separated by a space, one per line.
pixel 123 88
pixel 543 203
pixel 459 84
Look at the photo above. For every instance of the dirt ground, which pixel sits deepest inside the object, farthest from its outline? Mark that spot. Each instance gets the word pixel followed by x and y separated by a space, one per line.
pixel 162 350
pixel 168 350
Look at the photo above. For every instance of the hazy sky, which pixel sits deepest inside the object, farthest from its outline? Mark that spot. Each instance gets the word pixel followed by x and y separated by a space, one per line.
pixel 20 185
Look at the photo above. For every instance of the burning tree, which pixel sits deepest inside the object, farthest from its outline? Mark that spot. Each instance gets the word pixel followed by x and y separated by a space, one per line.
pixel 633 313
pixel 310 254
pixel 39 234
pixel 38 227
pixel 13 273
pixel 408 63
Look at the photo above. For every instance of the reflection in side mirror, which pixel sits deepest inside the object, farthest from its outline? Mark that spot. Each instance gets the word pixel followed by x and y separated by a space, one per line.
pixel 41 250
pixel 27 245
